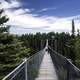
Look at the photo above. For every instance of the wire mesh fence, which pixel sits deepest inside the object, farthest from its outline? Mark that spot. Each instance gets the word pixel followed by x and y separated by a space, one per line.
pixel 33 65
pixel 17 74
pixel 64 67
pixel 28 69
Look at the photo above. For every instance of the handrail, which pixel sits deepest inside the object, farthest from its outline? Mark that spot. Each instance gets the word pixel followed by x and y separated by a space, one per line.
pixel 14 70
pixel 34 55
pixel 57 52
pixel 72 70
pixel 28 59
pixel 66 63
pixel 73 65
pixel 65 58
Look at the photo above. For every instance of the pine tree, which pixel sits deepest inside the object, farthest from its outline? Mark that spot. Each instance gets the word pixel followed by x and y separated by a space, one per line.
pixel 73 29
pixel 3 19
pixel 78 32
pixel 12 50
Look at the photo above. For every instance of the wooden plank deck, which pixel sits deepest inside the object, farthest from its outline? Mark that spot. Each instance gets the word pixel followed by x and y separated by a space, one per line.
pixel 47 69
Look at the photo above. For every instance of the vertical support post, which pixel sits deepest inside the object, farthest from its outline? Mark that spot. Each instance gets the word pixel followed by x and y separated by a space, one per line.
pixel 53 38
pixel 41 44
pixel 52 43
pixel 55 45
pixel 47 43
pixel 68 71
pixel 25 69
pixel 67 74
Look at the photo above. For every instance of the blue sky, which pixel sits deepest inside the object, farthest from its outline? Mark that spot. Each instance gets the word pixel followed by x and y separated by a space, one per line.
pixel 61 8
pixel 31 16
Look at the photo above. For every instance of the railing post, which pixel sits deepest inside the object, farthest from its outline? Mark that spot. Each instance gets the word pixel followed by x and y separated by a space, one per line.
pixel 25 68
pixel 68 74
pixel 55 43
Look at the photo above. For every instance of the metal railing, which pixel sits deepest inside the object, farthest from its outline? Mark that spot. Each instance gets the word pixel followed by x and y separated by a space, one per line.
pixel 33 65
pixel 17 74
pixel 64 67
pixel 28 69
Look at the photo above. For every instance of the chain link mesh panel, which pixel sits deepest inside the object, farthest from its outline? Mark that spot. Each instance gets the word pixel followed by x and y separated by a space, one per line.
pixel 64 67
pixel 27 70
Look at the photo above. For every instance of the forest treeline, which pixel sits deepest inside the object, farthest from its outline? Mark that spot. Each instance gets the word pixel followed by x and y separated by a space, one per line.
pixel 14 48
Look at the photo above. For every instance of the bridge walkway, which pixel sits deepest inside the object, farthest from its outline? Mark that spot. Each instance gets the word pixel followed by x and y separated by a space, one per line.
pixel 47 69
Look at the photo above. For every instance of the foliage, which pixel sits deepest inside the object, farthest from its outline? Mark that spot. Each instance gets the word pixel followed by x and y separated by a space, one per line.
pixel 12 50
pixel 77 49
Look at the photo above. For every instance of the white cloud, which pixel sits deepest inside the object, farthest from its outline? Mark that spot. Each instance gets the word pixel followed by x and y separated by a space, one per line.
pixel 26 20
pixel 1 0
pixel 46 9
pixel 42 24
pixel 61 25
pixel 28 10
pixel 19 11
pixel 53 23
pixel 22 11
pixel 12 4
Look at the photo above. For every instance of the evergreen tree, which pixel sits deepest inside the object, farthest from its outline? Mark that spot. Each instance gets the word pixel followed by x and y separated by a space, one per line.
pixel 78 32
pixel 77 50
pixel 12 50
pixel 73 29
pixel 3 19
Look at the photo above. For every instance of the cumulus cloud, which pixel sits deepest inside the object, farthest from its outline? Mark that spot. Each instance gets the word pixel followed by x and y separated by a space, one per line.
pixel 25 21
pixel 46 9
pixel 7 5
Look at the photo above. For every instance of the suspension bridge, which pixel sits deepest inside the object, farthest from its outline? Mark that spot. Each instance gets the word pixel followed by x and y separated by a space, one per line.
pixel 46 64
